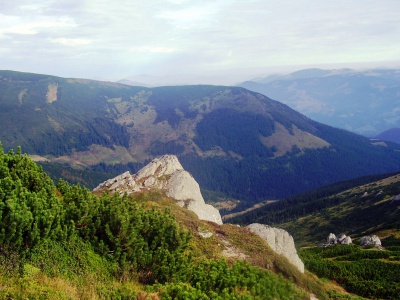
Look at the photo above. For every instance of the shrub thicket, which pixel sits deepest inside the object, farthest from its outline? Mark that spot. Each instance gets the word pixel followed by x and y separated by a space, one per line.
pixel 367 273
pixel 110 246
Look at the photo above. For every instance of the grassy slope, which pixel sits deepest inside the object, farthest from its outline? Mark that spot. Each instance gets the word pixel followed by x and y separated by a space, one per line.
pixel 365 210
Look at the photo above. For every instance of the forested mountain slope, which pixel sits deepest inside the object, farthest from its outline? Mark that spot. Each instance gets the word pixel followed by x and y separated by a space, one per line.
pixel 365 206
pixel 235 142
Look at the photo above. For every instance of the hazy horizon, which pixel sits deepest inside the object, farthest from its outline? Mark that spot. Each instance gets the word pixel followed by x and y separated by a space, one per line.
pixel 193 42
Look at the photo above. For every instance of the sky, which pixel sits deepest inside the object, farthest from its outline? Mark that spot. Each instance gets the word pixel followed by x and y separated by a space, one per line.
pixel 195 41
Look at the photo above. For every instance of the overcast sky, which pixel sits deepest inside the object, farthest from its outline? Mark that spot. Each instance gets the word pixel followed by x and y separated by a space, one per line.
pixel 195 41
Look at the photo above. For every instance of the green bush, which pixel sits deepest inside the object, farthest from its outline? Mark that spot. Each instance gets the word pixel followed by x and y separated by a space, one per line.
pixel 359 271
pixel 108 244
pixel 29 207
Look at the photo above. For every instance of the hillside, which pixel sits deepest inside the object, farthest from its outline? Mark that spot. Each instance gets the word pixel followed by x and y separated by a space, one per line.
pixel 362 101
pixel 360 207
pixel 255 148
pixel 392 135
pixel 62 241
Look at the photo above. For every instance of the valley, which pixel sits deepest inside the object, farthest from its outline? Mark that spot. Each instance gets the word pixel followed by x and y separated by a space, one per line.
pixel 152 235
pixel 254 147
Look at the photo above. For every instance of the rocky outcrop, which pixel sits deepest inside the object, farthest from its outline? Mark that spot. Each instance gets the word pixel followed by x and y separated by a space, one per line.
pixel 165 173
pixel 280 241
pixel 341 239
pixel 370 240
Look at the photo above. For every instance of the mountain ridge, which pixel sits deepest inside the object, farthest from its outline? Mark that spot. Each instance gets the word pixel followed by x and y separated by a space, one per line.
pixel 230 132
pixel 362 101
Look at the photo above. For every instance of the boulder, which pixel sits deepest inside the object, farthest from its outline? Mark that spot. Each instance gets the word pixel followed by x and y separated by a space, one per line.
pixel 331 240
pixel 347 241
pixel 280 241
pixel 370 240
pixel 167 174
pixel 341 239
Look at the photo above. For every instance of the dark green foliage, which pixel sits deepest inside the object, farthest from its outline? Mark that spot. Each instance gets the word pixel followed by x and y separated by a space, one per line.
pixel 166 100
pixel 70 259
pixel 78 118
pixel 30 211
pixel 144 243
pixel 157 148
pixel 235 131
pixel 84 177
pixel 67 232
pixel 304 203
pixel 141 241
pixel 216 280
pixel 230 119
pixel 363 272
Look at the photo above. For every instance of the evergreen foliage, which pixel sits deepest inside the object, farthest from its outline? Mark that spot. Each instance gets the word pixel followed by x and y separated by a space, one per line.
pixel 367 273
pixel 30 210
pixel 305 203
pixel 109 246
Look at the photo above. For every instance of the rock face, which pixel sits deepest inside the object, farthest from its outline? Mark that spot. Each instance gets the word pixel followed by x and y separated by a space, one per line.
pixel 165 173
pixel 370 240
pixel 280 241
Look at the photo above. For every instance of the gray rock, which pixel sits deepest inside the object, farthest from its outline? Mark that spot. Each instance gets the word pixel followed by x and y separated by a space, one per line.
pixel 340 238
pixel 346 241
pixel 331 240
pixel 165 173
pixel 370 240
pixel 280 241
pixel 205 233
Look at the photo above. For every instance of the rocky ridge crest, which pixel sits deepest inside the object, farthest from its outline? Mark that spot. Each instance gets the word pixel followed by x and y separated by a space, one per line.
pixel 165 173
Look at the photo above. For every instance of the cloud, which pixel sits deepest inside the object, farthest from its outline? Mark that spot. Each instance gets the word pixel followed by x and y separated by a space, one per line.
pixel 152 49
pixel 71 42
pixel 10 25
pixel 193 37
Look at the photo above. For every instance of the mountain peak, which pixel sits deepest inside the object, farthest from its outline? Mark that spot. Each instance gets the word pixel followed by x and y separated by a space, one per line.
pixel 160 166
pixel 165 173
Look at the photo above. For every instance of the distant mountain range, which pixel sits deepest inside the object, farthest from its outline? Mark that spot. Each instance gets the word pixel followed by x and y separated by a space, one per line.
pixel 236 143
pixel 392 135
pixel 365 102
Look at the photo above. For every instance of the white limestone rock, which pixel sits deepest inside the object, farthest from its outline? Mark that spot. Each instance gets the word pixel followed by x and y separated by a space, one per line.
pixel 165 173
pixel 331 240
pixel 347 240
pixel 370 240
pixel 280 241
pixel 340 238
